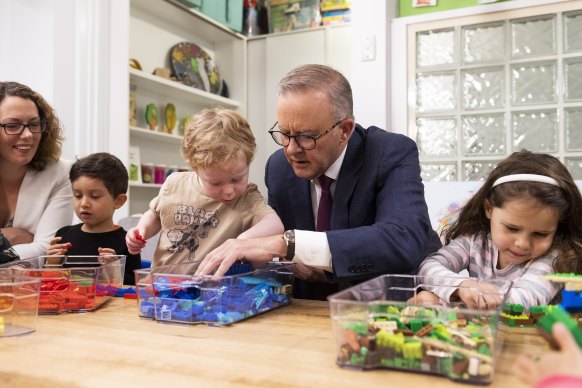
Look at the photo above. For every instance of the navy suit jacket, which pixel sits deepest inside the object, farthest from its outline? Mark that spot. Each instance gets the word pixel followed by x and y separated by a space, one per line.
pixel 379 219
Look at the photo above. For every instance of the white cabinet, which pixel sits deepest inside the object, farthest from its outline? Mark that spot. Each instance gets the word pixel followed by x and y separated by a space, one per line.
pixel 155 26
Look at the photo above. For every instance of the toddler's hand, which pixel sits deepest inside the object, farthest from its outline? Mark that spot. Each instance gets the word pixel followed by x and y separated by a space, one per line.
pixel 566 361
pixel 480 296
pixel 56 249
pixel 107 255
pixel 134 240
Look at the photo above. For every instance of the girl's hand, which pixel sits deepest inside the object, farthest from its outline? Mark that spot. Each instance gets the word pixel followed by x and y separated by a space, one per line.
pixel 566 361
pixel 480 296
pixel 424 297
pixel 134 240
pixel 56 249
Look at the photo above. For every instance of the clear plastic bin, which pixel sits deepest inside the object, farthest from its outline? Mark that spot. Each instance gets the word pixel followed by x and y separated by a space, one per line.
pixel 73 283
pixel 376 327
pixel 173 294
pixel 18 303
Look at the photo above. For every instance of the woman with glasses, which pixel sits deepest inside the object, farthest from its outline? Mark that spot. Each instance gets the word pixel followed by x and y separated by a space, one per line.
pixel 351 198
pixel 34 182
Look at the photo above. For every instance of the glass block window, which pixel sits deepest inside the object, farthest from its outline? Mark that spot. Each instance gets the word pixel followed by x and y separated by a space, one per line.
pixel 482 90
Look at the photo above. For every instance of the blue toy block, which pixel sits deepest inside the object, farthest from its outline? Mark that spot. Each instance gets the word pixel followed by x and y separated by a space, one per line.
pixel 572 301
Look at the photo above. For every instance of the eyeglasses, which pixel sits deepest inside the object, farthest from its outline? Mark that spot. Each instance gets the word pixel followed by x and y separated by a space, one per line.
pixel 18 128
pixel 306 142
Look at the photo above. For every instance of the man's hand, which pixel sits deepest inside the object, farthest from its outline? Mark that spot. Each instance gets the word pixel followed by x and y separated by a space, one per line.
pixel 256 251
pixel 311 274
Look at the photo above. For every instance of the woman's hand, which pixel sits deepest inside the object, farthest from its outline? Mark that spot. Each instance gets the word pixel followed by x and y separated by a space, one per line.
pixel 479 295
pixel 566 361
pixel 17 235
pixel 57 249
pixel 135 241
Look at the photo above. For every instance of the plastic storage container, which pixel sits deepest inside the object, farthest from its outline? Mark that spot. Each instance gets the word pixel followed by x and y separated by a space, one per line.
pixel 376 327
pixel 169 294
pixel 18 303
pixel 73 283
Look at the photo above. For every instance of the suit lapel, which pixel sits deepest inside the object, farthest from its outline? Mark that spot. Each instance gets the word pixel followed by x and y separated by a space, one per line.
pixel 348 178
pixel 300 197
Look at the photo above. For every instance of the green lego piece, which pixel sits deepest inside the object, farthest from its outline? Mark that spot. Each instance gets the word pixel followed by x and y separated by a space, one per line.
pixel 558 314
pixel 538 309
pixel 415 324
pixel 358 327
pixel 517 308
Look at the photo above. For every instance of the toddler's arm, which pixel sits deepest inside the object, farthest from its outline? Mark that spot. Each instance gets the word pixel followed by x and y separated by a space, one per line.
pixel 149 224
pixel 565 363
pixel 269 225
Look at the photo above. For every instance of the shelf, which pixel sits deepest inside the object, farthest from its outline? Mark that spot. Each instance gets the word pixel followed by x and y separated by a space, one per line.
pixel 175 89
pixel 145 185
pixel 181 15
pixel 146 134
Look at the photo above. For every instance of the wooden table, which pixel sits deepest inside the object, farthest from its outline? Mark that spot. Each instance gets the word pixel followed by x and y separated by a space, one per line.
pixel 290 346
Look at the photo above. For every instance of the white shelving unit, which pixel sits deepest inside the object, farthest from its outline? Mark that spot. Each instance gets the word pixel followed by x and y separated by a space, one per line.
pixel 155 26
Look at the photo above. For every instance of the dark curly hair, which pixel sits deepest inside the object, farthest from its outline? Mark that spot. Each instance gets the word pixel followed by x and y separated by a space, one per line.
pixel 51 141
pixel 566 199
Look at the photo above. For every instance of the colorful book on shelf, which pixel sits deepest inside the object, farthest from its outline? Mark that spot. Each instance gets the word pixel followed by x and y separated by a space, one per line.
pixel 134 165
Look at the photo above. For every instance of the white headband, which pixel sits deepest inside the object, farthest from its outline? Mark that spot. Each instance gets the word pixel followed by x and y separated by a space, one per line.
pixel 526 177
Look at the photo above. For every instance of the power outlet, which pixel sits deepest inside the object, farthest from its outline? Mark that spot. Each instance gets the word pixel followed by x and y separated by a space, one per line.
pixel 369 48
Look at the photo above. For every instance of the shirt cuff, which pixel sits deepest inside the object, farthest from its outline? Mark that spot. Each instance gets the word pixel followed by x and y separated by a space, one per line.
pixel 312 249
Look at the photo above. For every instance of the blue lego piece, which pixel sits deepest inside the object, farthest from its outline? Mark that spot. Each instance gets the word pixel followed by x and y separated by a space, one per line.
pixel 572 301
pixel 238 268
pixel 122 291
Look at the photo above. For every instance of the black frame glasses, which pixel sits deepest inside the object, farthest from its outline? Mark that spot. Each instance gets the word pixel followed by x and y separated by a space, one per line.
pixel 305 142
pixel 18 128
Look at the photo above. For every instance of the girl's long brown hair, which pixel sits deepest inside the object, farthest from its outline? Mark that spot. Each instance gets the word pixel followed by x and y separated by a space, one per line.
pixel 566 198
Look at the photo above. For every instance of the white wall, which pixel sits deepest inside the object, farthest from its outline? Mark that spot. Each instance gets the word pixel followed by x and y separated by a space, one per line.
pixel 71 52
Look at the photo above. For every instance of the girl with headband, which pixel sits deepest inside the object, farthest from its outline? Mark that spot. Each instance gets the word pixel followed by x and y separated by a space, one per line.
pixel 524 222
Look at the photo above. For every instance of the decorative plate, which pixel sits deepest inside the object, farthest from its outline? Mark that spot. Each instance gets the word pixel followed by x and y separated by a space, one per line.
pixel 194 67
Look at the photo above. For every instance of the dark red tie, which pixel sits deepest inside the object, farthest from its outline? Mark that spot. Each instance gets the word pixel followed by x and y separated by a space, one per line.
pixel 324 209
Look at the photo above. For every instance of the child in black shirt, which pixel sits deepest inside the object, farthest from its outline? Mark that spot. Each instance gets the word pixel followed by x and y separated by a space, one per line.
pixel 99 188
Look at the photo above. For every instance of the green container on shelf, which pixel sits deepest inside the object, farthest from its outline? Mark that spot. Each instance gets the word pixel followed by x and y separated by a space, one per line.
pixel 227 12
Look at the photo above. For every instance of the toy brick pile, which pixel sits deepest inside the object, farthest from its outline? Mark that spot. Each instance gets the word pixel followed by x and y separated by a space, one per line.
pixel 63 291
pixel 215 301
pixel 446 342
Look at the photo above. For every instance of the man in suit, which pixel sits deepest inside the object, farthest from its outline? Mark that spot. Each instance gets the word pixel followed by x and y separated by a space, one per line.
pixel 379 220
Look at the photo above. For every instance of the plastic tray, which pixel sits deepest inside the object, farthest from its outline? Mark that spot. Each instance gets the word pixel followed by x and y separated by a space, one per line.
pixel 376 327
pixel 18 303
pixel 73 283
pixel 172 294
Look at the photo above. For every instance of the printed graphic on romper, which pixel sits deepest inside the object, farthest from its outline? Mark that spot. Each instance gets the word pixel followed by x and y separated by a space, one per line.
pixel 191 226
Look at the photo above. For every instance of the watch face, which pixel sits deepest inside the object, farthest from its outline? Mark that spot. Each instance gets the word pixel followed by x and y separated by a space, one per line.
pixel 290 236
